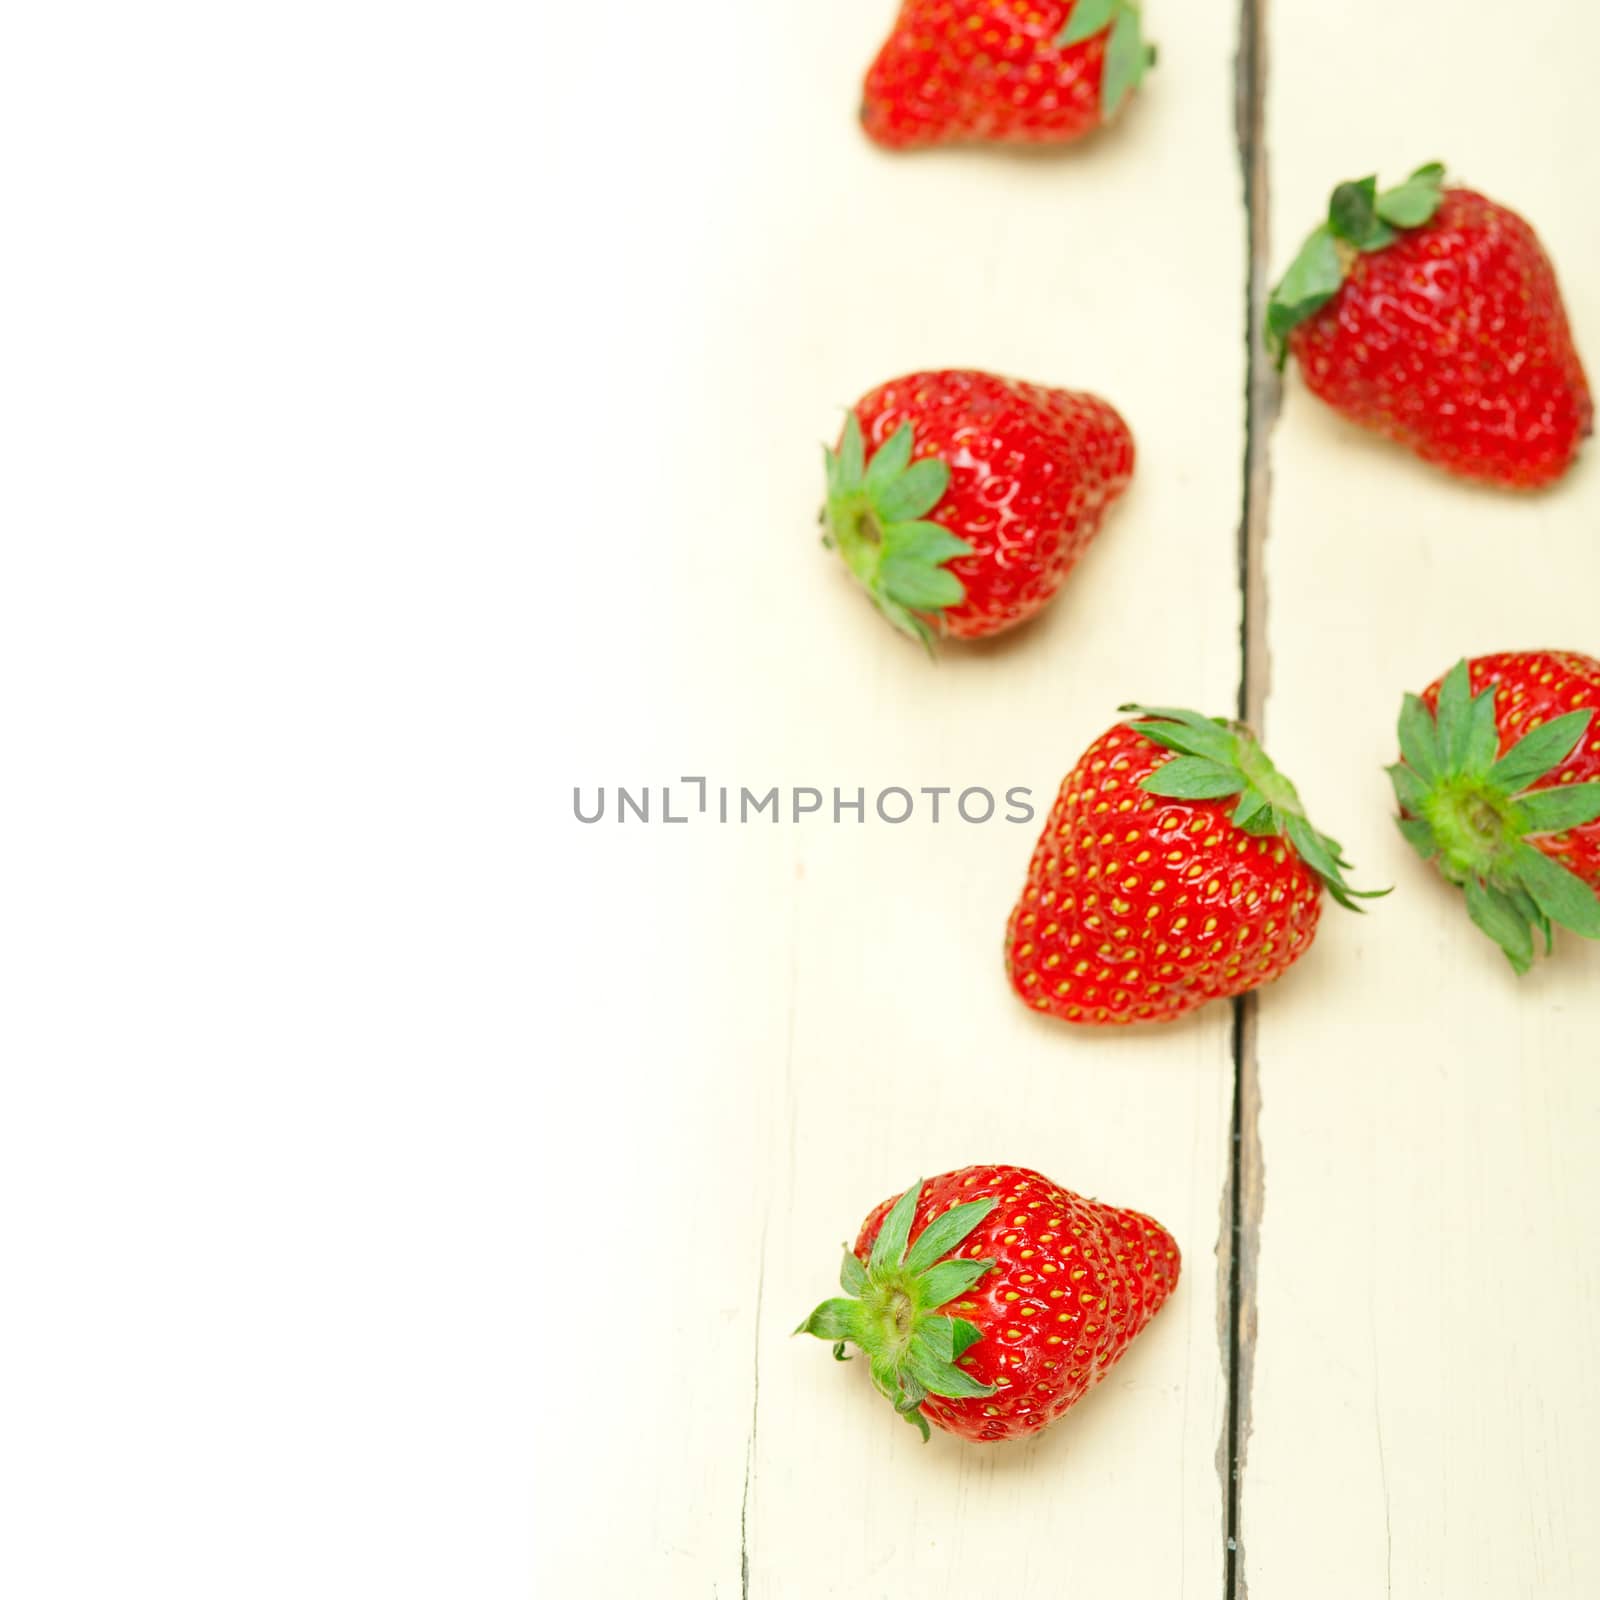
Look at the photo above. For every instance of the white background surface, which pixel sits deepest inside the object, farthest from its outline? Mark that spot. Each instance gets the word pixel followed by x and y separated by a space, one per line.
pixel 409 412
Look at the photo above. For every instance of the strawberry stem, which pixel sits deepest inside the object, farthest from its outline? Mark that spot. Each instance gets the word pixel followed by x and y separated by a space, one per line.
pixel 875 516
pixel 1217 758
pixel 1360 219
pixel 1127 57
pixel 1472 812
pixel 891 1309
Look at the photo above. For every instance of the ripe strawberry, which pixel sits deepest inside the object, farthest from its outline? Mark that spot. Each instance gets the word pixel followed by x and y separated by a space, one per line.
pixel 1499 786
pixel 978 498
pixel 989 1300
pixel 1432 316
pixel 1045 72
pixel 1177 867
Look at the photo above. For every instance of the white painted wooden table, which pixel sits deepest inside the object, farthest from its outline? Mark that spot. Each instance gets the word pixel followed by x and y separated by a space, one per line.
pixel 1403 1346
pixel 413 412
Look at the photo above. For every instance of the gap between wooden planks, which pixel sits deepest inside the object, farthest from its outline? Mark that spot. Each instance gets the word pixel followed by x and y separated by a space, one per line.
pixel 1238 1248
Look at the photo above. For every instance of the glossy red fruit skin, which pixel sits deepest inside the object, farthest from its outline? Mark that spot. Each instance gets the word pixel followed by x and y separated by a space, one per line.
pixel 1032 473
pixel 1139 908
pixel 959 71
pixel 1531 687
pixel 1075 1281
pixel 1453 340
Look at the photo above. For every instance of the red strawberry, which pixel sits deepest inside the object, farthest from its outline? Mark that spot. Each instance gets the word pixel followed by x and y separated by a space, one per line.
pixel 1499 787
pixel 977 498
pixel 1044 72
pixel 1177 867
pixel 1432 316
pixel 990 1299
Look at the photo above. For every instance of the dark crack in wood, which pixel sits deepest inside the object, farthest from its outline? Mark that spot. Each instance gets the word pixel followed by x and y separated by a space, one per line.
pixel 1242 1202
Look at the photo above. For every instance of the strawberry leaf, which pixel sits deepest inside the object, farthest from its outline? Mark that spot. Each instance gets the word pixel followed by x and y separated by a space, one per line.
pixel 1561 895
pixel 1088 18
pixel 1524 903
pixel 937 1337
pixel 875 520
pixel 852 453
pixel 1312 848
pixel 943 1282
pixel 1481 737
pixel 943 1377
pixel 893 1315
pixel 889 1248
pixel 908 1395
pixel 1127 57
pixel 1353 215
pixel 945 1232
pixel 1471 814
pixel 1417 741
pixel 1230 761
pixel 923 541
pixel 1253 807
pixel 1498 916
pixel 1539 751
pixel 1556 810
pixel 907 622
pixel 1314 277
pixel 1194 778
pixel 1191 736
pixel 964 1336
pixel 1189 719
pixel 833 1319
pixel 1410 204
pixel 893 457
pixel 914 493
pixel 852 1275
pixel 917 586
pixel 1454 714
pixel 1419 836
pixel 1409 789
pixel 1361 218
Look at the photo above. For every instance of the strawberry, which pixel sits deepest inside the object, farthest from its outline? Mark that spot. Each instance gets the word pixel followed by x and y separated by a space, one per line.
pixel 1042 73
pixel 989 1300
pixel 977 498
pixel 1177 867
pixel 1499 787
pixel 1432 316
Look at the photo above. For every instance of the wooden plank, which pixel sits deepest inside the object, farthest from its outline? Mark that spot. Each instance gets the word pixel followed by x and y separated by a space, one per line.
pixel 818 1013
pixel 907 1053
pixel 1426 1402
pixel 859 1029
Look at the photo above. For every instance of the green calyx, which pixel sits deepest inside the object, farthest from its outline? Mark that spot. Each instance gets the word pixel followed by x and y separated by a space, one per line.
pixel 1360 219
pixel 874 520
pixel 1473 812
pixel 1127 58
pixel 892 1310
pixel 1215 759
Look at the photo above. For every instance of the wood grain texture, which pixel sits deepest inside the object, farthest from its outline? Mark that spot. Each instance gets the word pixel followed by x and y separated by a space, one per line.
pixel 1426 1403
